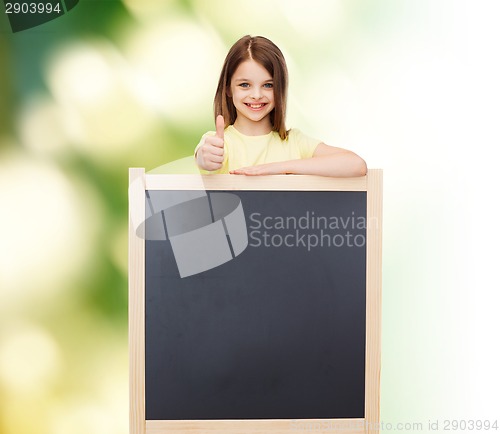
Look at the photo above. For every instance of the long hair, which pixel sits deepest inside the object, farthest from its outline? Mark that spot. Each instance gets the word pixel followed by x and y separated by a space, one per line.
pixel 266 53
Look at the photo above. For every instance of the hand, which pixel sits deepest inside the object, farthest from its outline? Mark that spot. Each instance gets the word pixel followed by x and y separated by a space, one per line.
pixel 261 169
pixel 210 154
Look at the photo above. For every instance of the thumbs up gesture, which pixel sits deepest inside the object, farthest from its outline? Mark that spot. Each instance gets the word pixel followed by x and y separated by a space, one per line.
pixel 210 154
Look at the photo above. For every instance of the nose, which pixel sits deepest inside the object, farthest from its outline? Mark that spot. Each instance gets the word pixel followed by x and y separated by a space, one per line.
pixel 256 92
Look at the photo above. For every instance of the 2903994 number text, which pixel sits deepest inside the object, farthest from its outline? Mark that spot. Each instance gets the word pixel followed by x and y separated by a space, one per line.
pixel 32 8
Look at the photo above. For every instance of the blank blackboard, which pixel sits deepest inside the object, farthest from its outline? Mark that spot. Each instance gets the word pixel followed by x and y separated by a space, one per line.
pixel 281 331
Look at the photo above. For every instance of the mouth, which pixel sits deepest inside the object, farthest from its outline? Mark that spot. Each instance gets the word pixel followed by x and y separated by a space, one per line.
pixel 256 107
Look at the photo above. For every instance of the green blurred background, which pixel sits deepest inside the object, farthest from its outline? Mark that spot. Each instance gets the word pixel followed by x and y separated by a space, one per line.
pixel 410 85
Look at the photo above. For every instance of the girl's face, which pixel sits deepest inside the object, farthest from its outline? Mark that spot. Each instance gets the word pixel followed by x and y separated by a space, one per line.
pixel 253 97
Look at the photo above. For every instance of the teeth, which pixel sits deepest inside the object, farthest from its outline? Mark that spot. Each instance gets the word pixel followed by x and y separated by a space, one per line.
pixel 256 106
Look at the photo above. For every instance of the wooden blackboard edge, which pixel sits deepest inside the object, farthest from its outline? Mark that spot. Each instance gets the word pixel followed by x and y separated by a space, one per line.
pixel 373 299
pixel 238 182
pixel 136 263
pixel 261 426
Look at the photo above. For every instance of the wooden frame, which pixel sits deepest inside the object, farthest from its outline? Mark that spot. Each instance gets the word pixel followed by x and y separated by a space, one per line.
pixel 372 184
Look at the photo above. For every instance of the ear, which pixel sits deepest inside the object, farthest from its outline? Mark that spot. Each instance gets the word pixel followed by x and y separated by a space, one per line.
pixel 228 92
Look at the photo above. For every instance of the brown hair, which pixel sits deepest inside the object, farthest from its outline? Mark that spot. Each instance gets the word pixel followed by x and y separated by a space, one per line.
pixel 265 52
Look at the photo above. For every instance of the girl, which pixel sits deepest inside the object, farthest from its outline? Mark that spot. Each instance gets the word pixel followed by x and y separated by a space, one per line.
pixel 251 137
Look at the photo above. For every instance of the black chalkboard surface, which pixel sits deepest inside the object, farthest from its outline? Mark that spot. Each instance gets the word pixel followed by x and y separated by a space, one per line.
pixel 278 332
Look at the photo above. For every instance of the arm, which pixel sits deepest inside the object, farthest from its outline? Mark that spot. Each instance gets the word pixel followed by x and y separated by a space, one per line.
pixel 326 161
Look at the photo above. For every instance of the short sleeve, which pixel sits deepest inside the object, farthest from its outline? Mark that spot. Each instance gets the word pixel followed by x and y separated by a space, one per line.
pixel 305 144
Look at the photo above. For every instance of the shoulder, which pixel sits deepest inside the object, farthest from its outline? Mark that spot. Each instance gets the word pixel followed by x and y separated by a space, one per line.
pixel 304 143
pixel 297 134
pixel 298 137
pixel 293 132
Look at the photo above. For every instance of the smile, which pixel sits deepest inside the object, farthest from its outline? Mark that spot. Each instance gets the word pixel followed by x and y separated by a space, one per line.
pixel 256 106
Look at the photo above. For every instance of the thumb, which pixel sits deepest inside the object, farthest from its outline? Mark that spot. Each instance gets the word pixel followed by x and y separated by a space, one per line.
pixel 219 127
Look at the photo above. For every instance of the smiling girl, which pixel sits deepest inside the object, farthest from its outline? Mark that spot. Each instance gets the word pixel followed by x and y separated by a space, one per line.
pixel 250 108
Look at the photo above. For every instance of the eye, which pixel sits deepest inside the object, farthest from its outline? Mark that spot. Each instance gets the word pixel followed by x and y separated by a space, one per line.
pixel 244 85
pixel 268 85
